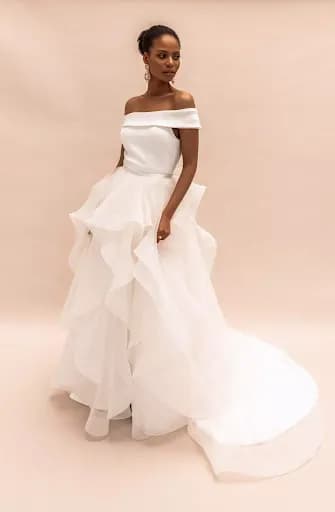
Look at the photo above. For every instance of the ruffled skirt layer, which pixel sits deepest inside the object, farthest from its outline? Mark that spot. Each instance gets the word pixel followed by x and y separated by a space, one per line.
pixel 145 328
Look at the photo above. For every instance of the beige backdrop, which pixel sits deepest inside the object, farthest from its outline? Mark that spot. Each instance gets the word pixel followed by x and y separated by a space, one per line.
pixel 262 74
pixel 263 77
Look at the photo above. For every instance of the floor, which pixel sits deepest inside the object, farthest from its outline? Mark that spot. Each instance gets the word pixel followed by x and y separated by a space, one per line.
pixel 48 463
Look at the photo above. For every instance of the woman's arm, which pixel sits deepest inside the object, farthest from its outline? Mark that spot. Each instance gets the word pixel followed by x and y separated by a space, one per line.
pixel 120 162
pixel 129 105
pixel 189 139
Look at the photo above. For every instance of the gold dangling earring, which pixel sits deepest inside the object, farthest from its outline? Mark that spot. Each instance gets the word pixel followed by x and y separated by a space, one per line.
pixel 147 74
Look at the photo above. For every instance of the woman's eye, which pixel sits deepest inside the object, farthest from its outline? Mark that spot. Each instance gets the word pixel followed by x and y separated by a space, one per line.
pixel 162 56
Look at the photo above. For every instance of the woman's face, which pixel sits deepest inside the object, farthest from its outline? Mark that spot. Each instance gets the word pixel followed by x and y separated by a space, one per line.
pixel 163 58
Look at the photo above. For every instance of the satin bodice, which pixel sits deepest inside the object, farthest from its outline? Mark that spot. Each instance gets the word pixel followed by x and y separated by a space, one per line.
pixel 150 145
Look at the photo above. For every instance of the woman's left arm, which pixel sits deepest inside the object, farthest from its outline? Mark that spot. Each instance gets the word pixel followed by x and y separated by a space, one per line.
pixel 189 141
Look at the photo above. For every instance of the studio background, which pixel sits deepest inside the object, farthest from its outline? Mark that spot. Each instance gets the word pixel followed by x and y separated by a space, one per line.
pixel 262 77
pixel 262 74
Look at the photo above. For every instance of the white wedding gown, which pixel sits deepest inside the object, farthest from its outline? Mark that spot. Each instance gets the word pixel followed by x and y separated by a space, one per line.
pixel 144 326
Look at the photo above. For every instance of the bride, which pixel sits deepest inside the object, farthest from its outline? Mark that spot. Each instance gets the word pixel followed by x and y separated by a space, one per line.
pixel 146 337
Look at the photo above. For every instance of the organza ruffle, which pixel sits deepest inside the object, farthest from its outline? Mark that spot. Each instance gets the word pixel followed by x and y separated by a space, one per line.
pixel 145 327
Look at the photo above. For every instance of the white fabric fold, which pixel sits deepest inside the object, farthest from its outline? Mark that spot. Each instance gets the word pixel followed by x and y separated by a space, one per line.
pixel 145 326
pixel 178 118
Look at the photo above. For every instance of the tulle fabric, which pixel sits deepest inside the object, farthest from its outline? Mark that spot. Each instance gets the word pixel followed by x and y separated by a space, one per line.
pixel 145 328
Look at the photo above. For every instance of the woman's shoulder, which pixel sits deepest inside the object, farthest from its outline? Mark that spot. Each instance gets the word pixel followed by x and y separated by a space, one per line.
pixel 184 99
pixel 131 104
pixel 180 99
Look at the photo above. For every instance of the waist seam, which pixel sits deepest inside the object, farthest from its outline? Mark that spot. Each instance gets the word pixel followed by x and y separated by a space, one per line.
pixel 167 174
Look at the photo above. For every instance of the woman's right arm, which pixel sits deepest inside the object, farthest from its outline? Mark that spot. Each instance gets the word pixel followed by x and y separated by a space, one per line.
pixel 127 108
pixel 120 162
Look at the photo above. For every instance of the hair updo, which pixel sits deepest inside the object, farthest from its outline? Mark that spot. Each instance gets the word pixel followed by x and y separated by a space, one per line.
pixel 146 37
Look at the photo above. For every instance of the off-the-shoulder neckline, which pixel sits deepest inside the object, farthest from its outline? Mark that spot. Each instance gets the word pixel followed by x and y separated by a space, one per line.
pixel 153 111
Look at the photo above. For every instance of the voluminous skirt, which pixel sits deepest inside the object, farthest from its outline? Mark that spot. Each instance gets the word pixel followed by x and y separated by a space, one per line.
pixel 145 328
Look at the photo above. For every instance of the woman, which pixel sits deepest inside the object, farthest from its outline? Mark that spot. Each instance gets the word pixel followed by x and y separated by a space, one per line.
pixel 146 335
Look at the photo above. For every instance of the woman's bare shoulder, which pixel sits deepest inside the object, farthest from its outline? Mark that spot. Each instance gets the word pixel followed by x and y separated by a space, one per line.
pixel 132 104
pixel 184 99
pixel 180 99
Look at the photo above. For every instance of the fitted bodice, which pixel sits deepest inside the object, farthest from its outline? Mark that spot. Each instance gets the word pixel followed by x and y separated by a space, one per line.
pixel 150 145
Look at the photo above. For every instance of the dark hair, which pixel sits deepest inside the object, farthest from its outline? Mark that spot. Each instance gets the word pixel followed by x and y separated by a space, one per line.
pixel 146 37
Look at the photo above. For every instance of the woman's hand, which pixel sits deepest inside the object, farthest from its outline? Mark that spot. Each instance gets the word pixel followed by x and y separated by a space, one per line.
pixel 164 228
